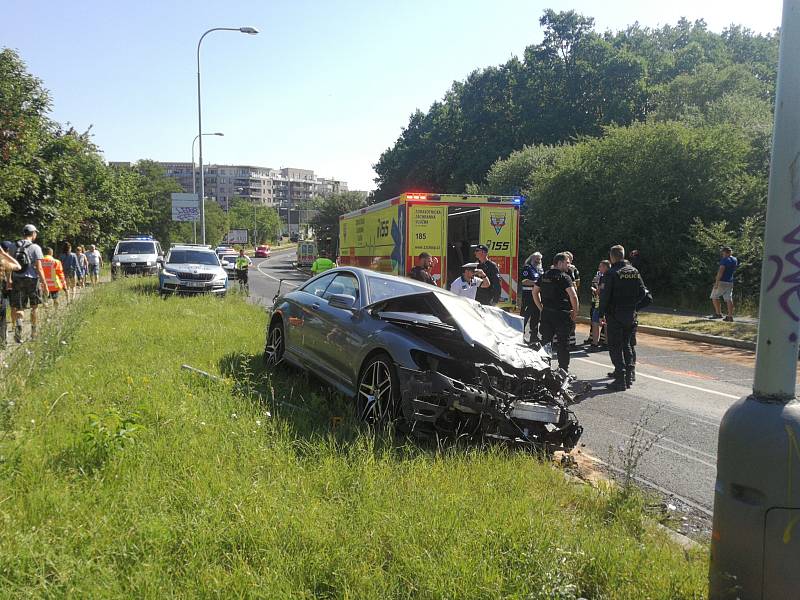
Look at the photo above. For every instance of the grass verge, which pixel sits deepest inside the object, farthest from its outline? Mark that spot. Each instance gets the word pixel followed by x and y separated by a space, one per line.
pixel 736 330
pixel 122 475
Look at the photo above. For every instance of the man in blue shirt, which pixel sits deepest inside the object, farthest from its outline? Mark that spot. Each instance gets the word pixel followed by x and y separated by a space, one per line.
pixel 723 284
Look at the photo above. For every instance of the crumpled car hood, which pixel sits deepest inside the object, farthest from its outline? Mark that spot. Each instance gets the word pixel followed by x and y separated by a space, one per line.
pixel 496 330
pixel 489 327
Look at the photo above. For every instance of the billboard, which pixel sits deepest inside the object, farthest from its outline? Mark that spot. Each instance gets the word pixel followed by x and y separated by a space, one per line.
pixel 236 236
pixel 185 207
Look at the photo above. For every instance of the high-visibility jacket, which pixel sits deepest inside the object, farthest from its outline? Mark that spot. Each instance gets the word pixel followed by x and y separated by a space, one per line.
pixel 53 273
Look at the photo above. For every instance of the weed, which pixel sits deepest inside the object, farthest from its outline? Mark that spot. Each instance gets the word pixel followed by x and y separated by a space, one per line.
pixel 196 492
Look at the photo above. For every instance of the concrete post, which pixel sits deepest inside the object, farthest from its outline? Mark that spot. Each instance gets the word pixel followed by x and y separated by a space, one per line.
pixel 755 546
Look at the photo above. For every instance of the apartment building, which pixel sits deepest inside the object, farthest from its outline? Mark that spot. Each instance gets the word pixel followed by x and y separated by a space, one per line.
pixel 286 187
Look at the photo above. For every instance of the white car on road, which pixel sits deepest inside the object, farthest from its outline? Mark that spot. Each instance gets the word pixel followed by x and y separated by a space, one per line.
pixel 192 269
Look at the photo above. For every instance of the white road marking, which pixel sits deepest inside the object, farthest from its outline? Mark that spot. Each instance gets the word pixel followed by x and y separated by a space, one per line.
pixel 285 282
pixel 662 380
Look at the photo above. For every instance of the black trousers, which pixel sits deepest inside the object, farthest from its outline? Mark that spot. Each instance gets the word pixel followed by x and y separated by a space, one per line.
pixel 619 329
pixel 554 327
pixel 532 315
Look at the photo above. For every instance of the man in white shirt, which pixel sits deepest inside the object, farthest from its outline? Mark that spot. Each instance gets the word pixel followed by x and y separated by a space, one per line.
pixel 471 279
pixel 95 262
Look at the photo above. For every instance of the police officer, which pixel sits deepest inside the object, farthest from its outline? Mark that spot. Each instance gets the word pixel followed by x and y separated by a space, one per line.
pixel 555 296
pixel 491 294
pixel 530 274
pixel 621 295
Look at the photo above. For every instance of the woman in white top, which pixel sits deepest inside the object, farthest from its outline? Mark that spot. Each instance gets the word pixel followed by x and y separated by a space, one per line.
pixel 471 279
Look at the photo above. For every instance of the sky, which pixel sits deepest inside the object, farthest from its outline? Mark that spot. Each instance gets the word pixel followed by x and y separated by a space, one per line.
pixel 326 85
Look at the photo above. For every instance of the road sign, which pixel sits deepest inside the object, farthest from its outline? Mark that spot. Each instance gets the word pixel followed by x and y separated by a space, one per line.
pixel 185 207
pixel 236 236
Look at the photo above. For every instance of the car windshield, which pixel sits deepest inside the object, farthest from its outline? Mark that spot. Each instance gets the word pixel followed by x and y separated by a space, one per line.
pixel 196 257
pixel 381 288
pixel 229 257
pixel 136 248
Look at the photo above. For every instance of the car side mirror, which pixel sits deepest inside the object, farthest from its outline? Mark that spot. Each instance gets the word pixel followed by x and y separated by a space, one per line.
pixel 225 263
pixel 344 301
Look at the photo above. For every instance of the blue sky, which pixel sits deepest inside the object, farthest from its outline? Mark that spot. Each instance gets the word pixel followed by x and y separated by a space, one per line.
pixel 326 85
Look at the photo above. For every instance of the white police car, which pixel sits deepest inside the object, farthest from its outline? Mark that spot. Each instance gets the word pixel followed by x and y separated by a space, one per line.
pixel 136 255
pixel 192 269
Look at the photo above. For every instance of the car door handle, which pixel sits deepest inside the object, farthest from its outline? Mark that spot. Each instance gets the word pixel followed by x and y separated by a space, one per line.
pixel 315 306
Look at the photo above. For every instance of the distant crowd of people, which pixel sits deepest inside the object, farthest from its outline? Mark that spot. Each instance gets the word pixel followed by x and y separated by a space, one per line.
pixel 30 274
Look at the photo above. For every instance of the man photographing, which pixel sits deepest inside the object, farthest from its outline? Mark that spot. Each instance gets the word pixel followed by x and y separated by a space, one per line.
pixel 555 296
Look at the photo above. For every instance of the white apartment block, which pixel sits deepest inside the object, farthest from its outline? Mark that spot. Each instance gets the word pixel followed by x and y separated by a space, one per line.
pixel 286 187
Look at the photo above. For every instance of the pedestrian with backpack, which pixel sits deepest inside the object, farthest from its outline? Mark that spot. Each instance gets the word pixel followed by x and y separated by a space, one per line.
pixel 69 261
pixel 28 285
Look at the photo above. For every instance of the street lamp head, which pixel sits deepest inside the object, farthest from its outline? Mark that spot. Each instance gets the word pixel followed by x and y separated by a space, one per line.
pixel 248 30
pixel 218 133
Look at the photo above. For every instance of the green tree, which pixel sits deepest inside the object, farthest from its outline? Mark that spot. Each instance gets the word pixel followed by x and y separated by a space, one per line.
pixel 244 214
pixel 24 129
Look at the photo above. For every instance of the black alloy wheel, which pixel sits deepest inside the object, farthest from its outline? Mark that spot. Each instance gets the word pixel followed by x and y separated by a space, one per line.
pixel 273 351
pixel 378 400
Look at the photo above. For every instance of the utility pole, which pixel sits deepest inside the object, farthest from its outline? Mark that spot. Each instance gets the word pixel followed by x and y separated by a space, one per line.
pixel 755 541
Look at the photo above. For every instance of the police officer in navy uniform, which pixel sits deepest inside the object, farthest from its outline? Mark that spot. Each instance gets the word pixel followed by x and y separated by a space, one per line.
pixel 555 296
pixel 622 293
pixel 491 294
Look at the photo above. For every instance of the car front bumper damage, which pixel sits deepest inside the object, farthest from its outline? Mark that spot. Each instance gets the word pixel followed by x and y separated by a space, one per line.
pixel 432 401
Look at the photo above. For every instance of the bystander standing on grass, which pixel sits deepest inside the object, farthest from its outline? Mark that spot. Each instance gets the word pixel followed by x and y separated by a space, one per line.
pixel 8 264
pixel 53 275
pixel 723 284
pixel 28 284
pixel 69 261
pixel 83 266
pixel 95 261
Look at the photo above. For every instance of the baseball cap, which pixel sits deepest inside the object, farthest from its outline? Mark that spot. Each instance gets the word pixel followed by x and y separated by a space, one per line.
pixel 7 245
pixel 28 229
pixel 482 247
pixel 472 265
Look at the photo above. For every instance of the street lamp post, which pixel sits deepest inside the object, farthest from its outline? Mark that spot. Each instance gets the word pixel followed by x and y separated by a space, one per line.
pixel 249 31
pixel 194 179
pixel 755 540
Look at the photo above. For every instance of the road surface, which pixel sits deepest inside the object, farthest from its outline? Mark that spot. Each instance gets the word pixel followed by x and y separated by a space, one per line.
pixel 682 391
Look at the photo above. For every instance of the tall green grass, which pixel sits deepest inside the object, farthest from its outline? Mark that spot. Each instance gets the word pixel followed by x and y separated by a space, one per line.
pixel 122 475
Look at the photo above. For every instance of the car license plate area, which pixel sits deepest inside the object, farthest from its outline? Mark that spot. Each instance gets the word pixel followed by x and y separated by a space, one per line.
pixel 194 284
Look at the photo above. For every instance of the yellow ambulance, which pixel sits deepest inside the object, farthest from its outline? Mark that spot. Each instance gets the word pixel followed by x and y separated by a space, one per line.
pixel 388 236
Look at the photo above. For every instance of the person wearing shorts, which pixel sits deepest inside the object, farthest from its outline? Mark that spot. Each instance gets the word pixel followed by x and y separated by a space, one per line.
pixel 95 262
pixel 27 284
pixel 723 285
pixel 8 264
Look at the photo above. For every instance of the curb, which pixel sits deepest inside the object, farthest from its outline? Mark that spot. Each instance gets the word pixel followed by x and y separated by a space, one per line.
pixel 688 335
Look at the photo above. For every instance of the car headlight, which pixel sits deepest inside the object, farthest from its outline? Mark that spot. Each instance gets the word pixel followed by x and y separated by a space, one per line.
pixel 166 273
pixel 149 263
pixel 115 264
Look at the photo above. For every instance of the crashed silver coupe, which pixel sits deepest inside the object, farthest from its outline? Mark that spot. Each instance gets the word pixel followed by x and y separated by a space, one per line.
pixel 422 358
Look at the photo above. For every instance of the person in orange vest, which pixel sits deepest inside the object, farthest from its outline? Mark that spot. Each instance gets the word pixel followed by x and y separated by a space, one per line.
pixel 53 275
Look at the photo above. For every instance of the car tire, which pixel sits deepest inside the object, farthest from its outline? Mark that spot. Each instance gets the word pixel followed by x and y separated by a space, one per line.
pixel 275 346
pixel 381 409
